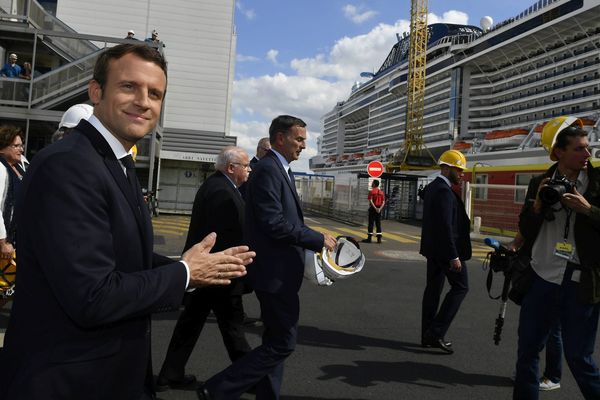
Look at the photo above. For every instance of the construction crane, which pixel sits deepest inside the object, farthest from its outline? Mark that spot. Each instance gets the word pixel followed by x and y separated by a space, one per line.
pixel 414 154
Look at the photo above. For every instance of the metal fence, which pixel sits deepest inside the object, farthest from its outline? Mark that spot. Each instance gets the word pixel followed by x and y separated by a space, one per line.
pixel 344 197
pixel 494 209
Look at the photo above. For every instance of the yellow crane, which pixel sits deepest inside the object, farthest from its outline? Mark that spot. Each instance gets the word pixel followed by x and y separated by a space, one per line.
pixel 411 156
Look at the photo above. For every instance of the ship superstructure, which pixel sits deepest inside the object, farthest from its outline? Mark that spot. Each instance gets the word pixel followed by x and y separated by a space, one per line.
pixel 488 92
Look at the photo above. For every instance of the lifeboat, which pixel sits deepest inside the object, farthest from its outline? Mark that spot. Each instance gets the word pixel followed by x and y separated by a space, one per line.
pixel 331 160
pixel 505 138
pixel 357 156
pixel 372 154
pixel 461 145
pixel 587 122
pixel 539 128
pixel 345 157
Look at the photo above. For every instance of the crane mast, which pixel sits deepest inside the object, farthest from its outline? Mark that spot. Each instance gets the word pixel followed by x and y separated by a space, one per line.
pixel 410 156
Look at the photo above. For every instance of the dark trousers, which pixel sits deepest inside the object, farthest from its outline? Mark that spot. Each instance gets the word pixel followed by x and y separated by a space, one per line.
pixel 263 366
pixel 374 218
pixel 436 322
pixel 579 323
pixel 553 369
pixel 229 312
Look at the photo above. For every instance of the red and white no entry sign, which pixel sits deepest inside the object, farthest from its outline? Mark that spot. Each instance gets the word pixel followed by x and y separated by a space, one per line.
pixel 375 169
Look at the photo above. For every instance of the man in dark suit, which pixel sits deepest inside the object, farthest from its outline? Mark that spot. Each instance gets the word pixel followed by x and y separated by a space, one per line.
pixel 262 148
pixel 218 207
pixel 446 244
pixel 88 279
pixel 275 227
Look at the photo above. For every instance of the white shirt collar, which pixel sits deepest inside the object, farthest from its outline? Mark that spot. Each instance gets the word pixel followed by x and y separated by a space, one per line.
pixel 113 142
pixel 230 180
pixel 284 163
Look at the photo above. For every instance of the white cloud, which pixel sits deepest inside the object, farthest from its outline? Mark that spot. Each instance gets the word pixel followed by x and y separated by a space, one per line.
pixel 356 14
pixel 249 13
pixel 319 82
pixel 451 17
pixel 272 56
pixel 243 58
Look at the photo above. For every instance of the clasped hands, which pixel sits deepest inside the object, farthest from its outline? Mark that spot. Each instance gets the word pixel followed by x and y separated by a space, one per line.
pixel 216 268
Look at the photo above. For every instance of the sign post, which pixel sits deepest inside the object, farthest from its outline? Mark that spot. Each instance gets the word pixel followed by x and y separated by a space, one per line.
pixel 375 169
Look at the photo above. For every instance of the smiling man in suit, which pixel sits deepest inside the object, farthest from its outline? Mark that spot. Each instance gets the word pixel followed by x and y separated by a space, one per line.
pixel 218 207
pixel 88 279
pixel 275 227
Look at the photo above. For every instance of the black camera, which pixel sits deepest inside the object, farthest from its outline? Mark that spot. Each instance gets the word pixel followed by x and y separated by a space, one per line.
pixel 554 189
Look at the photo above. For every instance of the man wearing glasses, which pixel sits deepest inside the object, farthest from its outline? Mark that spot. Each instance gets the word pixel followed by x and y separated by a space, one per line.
pixel 218 207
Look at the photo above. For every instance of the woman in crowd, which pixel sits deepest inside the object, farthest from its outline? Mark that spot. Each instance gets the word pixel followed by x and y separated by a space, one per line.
pixel 11 173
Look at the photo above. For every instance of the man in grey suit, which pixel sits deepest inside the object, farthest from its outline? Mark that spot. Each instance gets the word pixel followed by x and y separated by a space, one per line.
pixel 275 228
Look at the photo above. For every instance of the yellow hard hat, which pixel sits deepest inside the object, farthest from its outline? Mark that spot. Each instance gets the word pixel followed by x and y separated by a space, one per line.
pixel 553 128
pixel 134 152
pixel 453 158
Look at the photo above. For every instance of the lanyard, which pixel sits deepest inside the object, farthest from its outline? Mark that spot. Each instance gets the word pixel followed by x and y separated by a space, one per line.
pixel 567 224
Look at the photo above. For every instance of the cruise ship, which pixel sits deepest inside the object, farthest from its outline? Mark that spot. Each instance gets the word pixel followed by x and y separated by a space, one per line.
pixel 489 90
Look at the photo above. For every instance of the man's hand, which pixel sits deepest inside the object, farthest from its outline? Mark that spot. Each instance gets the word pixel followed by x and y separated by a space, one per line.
pixel 6 249
pixel 455 265
pixel 216 268
pixel 537 205
pixel 575 201
pixel 329 241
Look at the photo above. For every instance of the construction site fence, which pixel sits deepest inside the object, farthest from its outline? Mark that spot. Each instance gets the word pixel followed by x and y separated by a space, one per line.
pixel 493 209
pixel 345 198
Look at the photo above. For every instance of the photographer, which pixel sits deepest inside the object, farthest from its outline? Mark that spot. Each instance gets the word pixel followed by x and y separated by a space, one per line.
pixel 561 239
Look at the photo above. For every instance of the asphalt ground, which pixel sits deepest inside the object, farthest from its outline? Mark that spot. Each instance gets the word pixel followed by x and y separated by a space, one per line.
pixel 360 338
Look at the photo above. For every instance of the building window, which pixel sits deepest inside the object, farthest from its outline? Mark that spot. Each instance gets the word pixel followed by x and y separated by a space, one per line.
pixel 481 193
pixel 522 179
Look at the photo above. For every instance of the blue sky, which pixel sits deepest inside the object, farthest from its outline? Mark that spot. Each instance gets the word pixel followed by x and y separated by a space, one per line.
pixel 300 57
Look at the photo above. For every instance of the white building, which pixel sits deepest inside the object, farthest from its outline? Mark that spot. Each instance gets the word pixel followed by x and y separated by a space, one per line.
pixel 199 38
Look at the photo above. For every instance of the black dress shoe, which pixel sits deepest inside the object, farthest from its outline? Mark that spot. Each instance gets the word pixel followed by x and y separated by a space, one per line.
pixel 438 343
pixel 203 393
pixel 187 382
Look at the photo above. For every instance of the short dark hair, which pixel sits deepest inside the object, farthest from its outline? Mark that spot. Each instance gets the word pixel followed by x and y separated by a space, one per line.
pixel 375 183
pixel 283 124
pixel 143 51
pixel 564 136
pixel 8 133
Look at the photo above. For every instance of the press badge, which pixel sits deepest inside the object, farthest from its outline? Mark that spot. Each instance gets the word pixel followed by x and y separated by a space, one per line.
pixel 563 250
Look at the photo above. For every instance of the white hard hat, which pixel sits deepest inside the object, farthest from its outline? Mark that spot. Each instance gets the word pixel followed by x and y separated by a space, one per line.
pixel 131 31
pixel 12 55
pixel 326 267
pixel 74 114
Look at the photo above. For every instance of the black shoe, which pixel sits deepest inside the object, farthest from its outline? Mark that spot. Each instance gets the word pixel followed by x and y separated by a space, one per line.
pixel 378 240
pixel 366 241
pixel 203 393
pixel 188 382
pixel 438 343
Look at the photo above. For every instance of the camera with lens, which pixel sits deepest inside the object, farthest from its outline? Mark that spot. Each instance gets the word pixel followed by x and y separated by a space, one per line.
pixel 554 189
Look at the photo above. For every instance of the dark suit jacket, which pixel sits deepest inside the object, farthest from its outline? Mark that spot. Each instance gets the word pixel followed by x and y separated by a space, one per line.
pixel 80 323
pixel 275 230
pixel 446 226
pixel 218 207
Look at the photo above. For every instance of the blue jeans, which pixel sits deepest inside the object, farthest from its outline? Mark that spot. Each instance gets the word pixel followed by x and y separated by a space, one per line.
pixel 579 323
